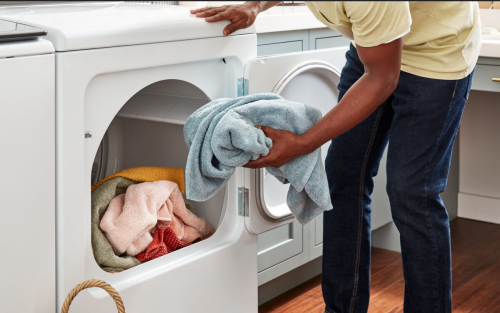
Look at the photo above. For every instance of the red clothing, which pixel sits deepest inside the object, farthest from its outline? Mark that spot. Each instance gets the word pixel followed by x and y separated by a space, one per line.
pixel 165 240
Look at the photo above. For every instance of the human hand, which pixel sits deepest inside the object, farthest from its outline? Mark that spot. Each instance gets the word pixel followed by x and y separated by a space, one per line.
pixel 286 147
pixel 241 15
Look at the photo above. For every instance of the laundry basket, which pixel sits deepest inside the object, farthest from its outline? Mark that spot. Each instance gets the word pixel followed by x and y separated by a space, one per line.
pixel 89 284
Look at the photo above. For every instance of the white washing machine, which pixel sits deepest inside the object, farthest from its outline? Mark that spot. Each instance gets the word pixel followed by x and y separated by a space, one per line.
pixel 27 164
pixel 127 78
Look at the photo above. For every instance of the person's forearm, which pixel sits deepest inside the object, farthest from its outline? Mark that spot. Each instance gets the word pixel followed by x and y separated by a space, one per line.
pixel 361 100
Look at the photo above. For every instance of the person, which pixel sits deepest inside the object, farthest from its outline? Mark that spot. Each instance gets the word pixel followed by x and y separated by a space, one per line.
pixel 407 77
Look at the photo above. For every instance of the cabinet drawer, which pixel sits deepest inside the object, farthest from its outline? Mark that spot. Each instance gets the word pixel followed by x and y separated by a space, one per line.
pixel 279 245
pixel 279 48
pixel 483 78
pixel 331 42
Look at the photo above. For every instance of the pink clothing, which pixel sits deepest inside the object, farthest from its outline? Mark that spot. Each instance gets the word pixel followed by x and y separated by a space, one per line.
pixel 132 217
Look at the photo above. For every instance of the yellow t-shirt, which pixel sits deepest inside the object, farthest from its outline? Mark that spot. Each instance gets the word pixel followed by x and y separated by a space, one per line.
pixel 444 38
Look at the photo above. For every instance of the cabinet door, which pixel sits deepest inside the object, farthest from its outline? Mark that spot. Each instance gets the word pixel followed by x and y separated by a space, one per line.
pixel 282 42
pixel 325 38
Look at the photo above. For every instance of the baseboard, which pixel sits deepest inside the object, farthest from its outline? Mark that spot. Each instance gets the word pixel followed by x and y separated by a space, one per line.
pixel 479 208
pixel 292 279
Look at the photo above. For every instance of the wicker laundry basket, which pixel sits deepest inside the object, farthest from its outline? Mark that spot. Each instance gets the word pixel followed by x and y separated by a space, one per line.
pixel 89 284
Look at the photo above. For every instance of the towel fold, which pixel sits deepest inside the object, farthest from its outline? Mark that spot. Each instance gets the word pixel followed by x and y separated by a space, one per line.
pixel 144 207
pixel 165 240
pixel 221 135
pixel 149 174
pixel 103 252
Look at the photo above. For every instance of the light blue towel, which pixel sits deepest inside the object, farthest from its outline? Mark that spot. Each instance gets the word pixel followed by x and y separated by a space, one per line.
pixel 221 135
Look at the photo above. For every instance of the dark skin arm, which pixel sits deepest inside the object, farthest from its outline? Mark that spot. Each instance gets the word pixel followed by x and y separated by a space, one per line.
pixel 382 66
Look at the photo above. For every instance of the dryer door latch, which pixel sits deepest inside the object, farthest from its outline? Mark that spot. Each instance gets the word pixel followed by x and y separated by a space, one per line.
pixel 88 135
pixel 243 201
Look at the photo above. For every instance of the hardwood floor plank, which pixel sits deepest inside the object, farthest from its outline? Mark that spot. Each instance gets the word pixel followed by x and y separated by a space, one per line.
pixel 467 269
pixel 319 310
pixel 384 278
pixel 399 309
pixel 382 258
pixel 476 276
pixel 475 238
pixel 299 305
pixel 388 299
pixel 490 304
pixel 475 291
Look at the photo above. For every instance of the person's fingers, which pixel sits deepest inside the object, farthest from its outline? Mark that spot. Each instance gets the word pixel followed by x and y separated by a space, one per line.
pixel 231 28
pixel 268 131
pixel 260 162
pixel 210 12
pixel 220 16
pixel 199 10
pixel 250 164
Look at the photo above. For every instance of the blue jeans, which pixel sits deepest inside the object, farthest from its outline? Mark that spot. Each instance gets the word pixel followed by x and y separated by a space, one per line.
pixel 420 119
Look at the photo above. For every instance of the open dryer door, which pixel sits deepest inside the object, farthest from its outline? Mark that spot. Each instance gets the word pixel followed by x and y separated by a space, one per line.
pixel 309 77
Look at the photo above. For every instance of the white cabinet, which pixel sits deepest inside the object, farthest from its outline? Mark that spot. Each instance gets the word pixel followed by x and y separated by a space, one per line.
pixel 479 195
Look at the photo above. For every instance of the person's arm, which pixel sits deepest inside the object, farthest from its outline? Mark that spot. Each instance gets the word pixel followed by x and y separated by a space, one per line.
pixel 382 67
pixel 241 15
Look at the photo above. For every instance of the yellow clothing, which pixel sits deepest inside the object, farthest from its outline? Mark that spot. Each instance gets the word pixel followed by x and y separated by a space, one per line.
pixel 149 174
pixel 444 38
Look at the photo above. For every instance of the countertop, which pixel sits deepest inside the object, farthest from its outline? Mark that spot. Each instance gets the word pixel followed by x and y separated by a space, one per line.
pixel 288 18
pixel 490 46
pixel 280 18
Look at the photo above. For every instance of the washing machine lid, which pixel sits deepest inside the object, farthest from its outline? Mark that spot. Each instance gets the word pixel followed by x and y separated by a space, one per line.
pixel 82 26
pixel 309 77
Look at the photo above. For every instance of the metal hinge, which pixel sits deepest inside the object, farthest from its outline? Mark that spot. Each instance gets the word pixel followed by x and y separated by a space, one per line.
pixel 243 201
pixel 242 87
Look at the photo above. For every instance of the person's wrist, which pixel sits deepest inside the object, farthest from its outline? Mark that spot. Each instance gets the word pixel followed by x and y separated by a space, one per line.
pixel 255 6
pixel 304 146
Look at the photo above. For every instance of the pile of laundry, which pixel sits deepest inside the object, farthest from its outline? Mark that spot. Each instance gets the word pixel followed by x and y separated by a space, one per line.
pixel 139 214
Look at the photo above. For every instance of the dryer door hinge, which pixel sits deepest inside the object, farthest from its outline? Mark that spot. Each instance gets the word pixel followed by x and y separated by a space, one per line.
pixel 242 87
pixel 243 201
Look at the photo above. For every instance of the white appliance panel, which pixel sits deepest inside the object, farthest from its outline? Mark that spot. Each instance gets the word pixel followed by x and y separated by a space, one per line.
pixel 92 87
pixel 27 192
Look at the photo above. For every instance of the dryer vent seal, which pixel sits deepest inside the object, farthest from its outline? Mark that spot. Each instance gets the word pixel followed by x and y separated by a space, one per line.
pixel 301 68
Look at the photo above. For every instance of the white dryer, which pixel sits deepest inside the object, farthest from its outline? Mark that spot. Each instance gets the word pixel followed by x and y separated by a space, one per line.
pixel 127 78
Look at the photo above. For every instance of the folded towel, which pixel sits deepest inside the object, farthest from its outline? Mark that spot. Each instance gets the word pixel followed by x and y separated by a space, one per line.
pixel 149 174
pixel 103 252
pixel 164 241
pixel 221 135
pixel 131 216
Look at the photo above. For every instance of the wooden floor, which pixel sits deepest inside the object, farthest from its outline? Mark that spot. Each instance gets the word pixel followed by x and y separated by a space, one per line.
pixel 476 276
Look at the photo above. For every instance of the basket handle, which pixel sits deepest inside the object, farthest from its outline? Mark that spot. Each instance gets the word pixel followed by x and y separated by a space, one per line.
pixel 89 284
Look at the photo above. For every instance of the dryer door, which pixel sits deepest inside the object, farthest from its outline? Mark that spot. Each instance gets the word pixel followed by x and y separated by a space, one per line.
pixel 309 77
